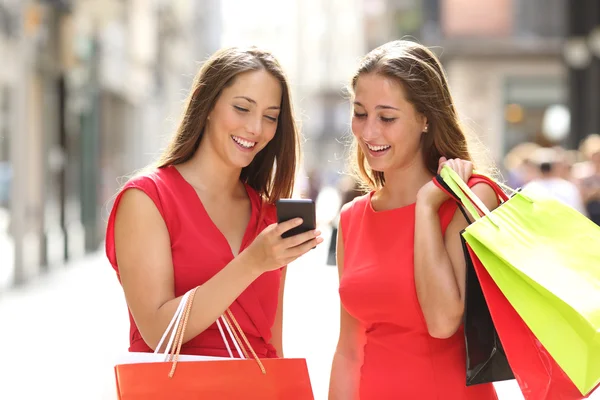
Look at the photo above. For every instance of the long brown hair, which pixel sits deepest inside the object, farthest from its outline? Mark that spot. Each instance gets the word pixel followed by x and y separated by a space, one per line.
pixel 421 75
pixel 272 171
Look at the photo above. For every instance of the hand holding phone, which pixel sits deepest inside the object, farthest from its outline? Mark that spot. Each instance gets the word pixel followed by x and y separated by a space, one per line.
pixel 282 243
pixel 288 209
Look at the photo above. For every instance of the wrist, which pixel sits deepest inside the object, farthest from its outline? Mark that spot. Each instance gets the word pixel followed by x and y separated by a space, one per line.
pixel 427 199
pixel 248 265
pixel 428 206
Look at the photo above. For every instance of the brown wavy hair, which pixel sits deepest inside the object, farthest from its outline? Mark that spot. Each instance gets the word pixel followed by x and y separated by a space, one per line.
pixel 272 171
pixel 424 81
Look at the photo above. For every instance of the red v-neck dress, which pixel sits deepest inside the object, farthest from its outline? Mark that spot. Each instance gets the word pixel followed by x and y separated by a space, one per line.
pixel 199 251
pixel 377 287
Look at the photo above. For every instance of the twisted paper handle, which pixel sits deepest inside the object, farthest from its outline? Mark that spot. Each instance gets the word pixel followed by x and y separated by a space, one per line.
pixel 228 318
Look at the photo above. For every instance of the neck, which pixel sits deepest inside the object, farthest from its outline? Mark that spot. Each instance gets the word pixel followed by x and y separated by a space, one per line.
pixel 548 176
pixel 403 184
pixel 207 172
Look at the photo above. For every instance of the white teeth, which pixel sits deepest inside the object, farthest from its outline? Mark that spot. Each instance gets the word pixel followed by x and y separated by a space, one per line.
pixel 378 148
pixel 243 143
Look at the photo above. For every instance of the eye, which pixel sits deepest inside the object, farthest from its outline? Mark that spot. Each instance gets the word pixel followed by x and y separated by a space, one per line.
pixel 241 109
pixel 272 119
pixel 359 115
pixel 387 120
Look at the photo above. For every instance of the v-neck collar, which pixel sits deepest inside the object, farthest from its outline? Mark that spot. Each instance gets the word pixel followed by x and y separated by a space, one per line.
pixel 192 192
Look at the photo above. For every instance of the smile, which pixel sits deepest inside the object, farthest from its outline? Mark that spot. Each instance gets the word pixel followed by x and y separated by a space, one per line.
pixel 378 148
pixel 243 142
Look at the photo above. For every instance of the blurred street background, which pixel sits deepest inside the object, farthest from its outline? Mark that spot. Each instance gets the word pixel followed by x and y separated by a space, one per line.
pixel 90 90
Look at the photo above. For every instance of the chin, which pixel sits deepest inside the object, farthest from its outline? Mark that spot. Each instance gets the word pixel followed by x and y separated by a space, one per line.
pixel 377 166
pixel 242 162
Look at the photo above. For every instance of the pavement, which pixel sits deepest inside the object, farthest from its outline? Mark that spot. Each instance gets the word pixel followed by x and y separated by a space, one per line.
pixel 62 333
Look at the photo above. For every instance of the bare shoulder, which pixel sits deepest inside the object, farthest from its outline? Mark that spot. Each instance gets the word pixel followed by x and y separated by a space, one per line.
pixel 136 205
pixel 487 194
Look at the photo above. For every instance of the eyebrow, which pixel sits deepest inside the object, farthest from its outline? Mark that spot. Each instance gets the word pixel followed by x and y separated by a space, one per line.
pixel 248 99
pixel 381 106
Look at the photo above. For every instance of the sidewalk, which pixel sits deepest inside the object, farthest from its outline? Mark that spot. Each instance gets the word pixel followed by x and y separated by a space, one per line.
pixel 62 333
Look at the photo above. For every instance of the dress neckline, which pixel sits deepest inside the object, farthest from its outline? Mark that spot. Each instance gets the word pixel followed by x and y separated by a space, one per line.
pixel 397 209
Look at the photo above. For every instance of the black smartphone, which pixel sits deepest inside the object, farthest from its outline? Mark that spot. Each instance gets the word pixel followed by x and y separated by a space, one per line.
pixel 297 208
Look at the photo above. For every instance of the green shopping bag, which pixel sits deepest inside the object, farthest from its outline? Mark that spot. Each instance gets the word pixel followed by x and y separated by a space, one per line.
pixel 545 257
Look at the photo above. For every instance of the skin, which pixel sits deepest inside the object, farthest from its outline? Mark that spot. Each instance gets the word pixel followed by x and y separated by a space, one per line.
pixel 248 109
pixel 590 193
pixel 383 117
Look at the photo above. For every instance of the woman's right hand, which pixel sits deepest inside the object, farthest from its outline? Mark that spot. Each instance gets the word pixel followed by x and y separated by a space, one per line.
pixel 269 251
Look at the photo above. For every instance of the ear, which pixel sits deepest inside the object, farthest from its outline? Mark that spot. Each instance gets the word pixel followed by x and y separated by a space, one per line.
pixel 424 124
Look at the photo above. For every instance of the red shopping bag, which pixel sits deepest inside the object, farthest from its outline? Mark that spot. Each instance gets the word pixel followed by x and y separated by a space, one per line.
pixel 223 379
pixel 538 375
pixel 197 377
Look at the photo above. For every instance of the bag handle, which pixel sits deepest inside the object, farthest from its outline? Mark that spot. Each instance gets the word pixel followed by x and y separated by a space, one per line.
pixel 178 325
pixel 467 197
pixel 175 321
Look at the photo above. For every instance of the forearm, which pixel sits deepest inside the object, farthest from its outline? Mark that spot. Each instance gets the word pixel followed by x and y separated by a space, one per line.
pixel 344 382
pixel 437 288
pixel 588 194
pixel 210 301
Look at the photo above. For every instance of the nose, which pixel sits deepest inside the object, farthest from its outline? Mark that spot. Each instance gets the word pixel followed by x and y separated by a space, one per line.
pixel 254 125
pixel 370 130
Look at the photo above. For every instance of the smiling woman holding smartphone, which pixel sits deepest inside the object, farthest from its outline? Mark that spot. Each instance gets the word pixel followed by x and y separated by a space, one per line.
pixel 205 216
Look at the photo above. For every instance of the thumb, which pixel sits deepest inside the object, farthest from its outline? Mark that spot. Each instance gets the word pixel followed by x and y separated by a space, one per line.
pixel 441 163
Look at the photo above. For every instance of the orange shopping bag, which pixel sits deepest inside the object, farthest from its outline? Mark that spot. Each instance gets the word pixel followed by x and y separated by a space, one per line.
pixel 169 375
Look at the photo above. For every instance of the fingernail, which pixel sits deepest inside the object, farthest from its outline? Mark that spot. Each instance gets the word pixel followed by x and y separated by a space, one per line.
pixel 317 232
pixel 299 221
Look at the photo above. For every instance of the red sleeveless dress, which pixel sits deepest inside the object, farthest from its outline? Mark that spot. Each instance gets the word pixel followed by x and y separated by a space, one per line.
pixel 199 251
pixel 401 359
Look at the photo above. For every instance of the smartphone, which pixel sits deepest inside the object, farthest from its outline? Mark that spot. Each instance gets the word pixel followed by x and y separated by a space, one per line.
pixel 297 208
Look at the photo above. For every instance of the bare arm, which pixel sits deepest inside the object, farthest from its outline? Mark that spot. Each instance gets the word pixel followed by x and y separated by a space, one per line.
pixel 588 192
pixel 348 358
pixel 440 269
pixel 277 330
pixel 145 265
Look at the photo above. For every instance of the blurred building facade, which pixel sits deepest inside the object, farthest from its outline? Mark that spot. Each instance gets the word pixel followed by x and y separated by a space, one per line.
pixel 511 63
pixel 93 88
pixel 319 43
pixel 503 59
pixel 89 90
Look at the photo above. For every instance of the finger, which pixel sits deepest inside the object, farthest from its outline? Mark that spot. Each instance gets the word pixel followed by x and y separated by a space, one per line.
pixel 463 170
pixel 441 163
pixel 452 165
pixel 468 166
pixel 457 165
pixel 302 249
pixel 287 225
pixel 300 238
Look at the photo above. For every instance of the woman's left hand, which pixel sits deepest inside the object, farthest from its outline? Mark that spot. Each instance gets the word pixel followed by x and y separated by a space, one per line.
pixel 433 196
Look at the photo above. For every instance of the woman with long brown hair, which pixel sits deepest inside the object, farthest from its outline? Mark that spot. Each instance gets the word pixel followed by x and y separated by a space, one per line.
pixel 204 215
pixel 399 254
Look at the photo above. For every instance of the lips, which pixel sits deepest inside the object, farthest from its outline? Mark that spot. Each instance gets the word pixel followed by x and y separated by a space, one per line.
pixel 377 150
pixel 243 143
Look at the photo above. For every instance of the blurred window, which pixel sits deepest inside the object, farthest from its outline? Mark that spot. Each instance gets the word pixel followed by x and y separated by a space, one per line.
pixel 526 100
pixel 544 18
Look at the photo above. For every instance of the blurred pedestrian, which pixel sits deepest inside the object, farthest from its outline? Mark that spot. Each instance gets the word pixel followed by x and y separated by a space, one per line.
pixel 550 181
pixel 204 215
pixel 399 254
pixel 590 183
pixel 518 166
pixel 348 188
